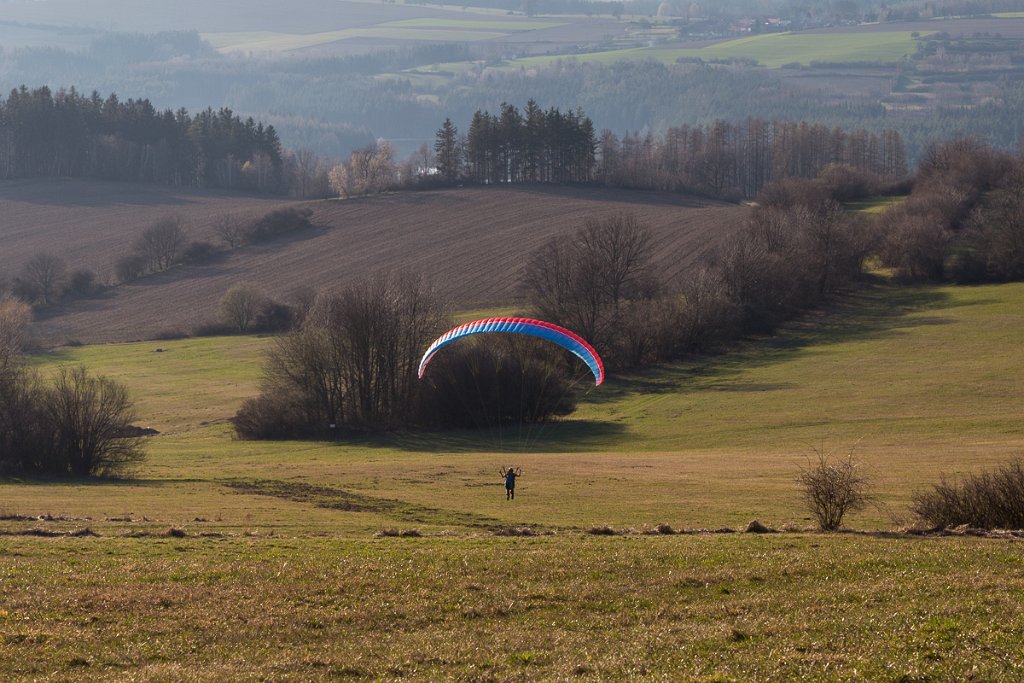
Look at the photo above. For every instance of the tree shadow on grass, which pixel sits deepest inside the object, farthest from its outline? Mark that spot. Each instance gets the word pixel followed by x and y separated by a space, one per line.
pixel 92 482
pixel 879 310
pixel 557 436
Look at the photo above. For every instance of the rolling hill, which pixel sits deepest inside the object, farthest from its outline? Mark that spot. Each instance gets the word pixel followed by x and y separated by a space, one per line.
pixel 470 242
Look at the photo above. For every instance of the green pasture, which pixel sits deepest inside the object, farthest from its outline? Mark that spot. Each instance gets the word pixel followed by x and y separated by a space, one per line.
pixel 771 50
pixel 874 205
pixel 472 24
pixel 272 41
pixel 229 560
pixel 901 376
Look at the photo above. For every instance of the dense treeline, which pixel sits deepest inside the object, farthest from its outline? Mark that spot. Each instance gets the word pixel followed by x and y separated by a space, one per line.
pixel 67 134
pixel 334 105
pixel 739 159
pixel 964 219
pixel 720 159
pixel 798 249
pixel 529 146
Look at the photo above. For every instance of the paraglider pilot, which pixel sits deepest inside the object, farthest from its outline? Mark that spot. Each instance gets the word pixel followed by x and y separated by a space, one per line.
pixel 510 481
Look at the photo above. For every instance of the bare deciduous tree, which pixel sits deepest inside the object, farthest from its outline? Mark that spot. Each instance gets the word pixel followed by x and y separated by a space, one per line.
pixel 231 229
pixel 42 279
pixel 353 361
pixel 15 317
pixel 582 279
pixel 90 417
pixel 240 306
pixel 340 181
pixel 162 242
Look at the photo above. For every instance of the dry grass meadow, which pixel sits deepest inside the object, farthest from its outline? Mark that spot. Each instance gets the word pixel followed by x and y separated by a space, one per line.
pixel 398 557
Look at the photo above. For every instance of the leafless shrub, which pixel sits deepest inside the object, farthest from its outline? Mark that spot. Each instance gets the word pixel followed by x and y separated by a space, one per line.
pixel 15 318
pixel 198 252
pixel 846 183
pixel 82 283
pixel 42 280
pixel 131 267
pixel 987 500
pixel 24 434
pixel 352 363
pixel 240 306
pixel 161 244
pixel 511 380
pixel 232 229
pixel 833 487
pixel 584 280
pixel 278 223
pixel 271 416
pixel 915 245
pixel 88 416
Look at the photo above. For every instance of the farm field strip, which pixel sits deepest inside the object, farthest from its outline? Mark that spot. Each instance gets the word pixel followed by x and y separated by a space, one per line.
pixel 92 223
pixel 283 42
pixel 771 50
pixel 352 236
pixel 493 25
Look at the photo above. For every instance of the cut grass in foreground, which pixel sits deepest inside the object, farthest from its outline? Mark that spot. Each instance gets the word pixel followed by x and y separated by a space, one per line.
pixel 275 575
pixel 558 608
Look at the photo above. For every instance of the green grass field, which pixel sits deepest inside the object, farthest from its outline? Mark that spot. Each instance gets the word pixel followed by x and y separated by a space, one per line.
pixel 270 41
pixel 276 572
pixel 771 50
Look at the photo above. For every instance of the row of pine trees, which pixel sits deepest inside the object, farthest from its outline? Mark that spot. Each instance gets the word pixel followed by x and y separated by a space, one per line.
pixel 720 159
pixel 67 134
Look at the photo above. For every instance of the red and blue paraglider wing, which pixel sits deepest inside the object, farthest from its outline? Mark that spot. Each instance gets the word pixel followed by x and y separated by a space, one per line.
pixel 537 328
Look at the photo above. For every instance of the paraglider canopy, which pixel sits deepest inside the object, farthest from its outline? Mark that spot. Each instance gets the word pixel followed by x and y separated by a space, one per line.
pixel 537 328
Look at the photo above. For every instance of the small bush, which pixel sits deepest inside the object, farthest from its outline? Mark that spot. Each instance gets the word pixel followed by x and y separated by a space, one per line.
pixel 198 252
pixel 833 487
pixel 274 317
pixel 988 500
pixel 131 267
pixel 280 222
pixel 240 306
pixel 482 385
pixel 82 283
pixel 270 416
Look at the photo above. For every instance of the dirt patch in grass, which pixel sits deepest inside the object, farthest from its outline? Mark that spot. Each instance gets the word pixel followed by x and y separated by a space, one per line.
pixel 346 501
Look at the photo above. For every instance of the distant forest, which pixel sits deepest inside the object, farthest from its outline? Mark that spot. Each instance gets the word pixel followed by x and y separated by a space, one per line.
pixel 66 134
pixel 721 159
pixel 337 104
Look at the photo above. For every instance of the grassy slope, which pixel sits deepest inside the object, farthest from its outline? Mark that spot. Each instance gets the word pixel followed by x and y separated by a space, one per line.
pixel 903 375
pixel 926 379
pixel 771 50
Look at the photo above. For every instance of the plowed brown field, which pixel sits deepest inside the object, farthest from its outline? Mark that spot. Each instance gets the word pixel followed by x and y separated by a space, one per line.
pixel 90 224
pixel 470 242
